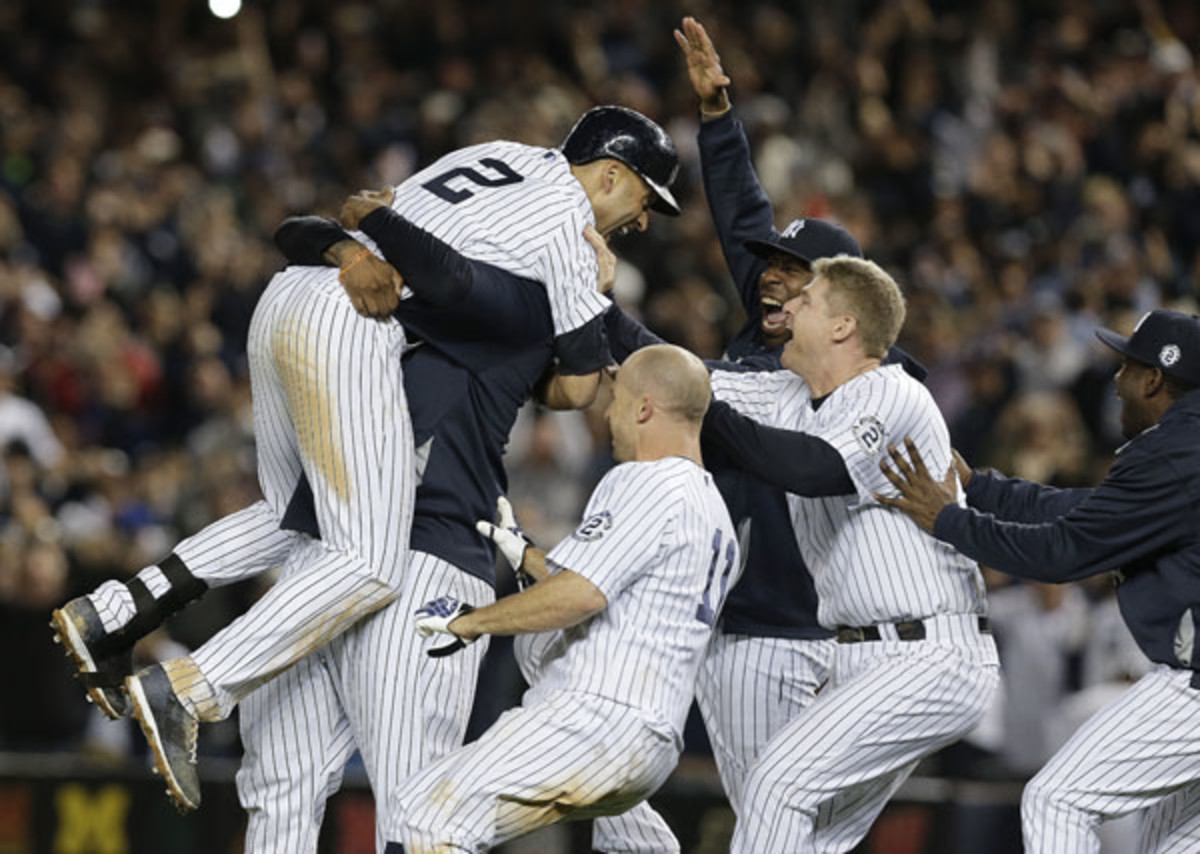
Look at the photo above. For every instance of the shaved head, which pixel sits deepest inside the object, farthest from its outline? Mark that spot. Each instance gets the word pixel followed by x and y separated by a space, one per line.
pixel 674 379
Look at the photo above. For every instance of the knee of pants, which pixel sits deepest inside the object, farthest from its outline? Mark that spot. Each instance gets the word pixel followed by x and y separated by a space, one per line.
pixel 374 594
pixel 762 791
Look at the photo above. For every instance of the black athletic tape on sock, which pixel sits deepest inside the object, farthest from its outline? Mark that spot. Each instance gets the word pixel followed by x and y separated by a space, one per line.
pixel 151 612
pixel 185 587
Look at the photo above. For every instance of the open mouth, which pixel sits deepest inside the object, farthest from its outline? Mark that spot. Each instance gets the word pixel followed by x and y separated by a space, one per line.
pixel 773 318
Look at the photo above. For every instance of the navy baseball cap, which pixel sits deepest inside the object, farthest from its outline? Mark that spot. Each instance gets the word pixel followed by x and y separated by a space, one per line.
pixel 1164 339
pixel 809 240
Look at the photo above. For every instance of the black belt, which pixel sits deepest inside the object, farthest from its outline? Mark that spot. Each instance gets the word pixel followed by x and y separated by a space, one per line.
pixel 906 630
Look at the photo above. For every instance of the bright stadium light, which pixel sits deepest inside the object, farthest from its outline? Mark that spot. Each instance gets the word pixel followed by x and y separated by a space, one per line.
pixel 224 8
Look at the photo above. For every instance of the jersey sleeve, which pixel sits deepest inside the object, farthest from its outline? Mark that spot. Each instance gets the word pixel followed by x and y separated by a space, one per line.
pixel 1140 509
pixel 740 209
pixel 861 427
pixel 1014 499
pixel 567 265
pixel 624 526
pixel 750 393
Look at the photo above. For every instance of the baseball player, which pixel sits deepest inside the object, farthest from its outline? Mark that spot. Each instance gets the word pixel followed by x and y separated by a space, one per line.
pixel 317 415
pixel 769 654
pixel 915 664
pixel 637 587
pixel 1142 752
pixel 373 689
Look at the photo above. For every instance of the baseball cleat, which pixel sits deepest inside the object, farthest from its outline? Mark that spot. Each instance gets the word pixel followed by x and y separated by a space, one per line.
pixel 171 732
pixel 78 628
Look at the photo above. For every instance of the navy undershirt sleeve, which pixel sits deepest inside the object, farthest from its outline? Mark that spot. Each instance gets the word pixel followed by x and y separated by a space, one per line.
pixel 793 461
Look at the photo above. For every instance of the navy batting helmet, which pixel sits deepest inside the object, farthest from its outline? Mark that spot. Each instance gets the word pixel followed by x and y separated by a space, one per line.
pixel 628 136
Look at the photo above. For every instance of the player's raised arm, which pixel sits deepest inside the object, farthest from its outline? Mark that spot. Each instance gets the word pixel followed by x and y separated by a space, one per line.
pixel 740 209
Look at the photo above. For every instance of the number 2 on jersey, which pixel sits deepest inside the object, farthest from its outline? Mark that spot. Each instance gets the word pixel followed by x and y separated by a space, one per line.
pixel 706 611
pixel 440 185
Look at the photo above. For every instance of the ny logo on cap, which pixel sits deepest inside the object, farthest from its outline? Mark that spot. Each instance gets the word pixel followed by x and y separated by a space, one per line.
pixel 794 228
pixel 1169 355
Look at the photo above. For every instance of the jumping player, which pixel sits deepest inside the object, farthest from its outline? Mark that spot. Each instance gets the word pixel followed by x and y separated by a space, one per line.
pixel 329 405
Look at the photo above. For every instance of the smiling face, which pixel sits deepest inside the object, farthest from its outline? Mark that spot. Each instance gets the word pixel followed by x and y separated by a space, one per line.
pixel 783 280
pixel 808 319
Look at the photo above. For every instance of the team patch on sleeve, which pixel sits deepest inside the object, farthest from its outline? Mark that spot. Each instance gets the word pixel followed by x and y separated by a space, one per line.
pixel 870 433
pixel 593 527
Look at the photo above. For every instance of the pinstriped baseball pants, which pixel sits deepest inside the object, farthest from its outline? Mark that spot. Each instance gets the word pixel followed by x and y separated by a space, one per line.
pixel 372 689
pixel 821 782
pixel 1141 752
pixel 329 402
pixel 569 756
pixel 749 689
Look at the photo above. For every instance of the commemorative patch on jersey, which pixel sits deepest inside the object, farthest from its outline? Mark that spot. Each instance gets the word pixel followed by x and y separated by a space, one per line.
pixel 870 434
pixel 594 527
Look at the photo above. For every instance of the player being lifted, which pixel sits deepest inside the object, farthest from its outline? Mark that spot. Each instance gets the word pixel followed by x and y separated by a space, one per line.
pixel 329 407
pixel 638 587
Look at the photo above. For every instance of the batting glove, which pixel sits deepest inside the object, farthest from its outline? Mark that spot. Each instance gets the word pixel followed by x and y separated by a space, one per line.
pixel 509 538
pixel 435 617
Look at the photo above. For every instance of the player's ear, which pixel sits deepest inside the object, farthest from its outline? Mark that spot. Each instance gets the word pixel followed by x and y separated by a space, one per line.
pixel 844 326
pixel 611 176
pixel 645 409
pixel 1154 382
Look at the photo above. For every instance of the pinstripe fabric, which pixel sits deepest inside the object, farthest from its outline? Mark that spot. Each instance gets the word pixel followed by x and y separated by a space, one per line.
pixel 820 783
pixel 870 564
pixel 647 542
pixel 601 726
pixel 372 689
pixel 532 227
pixel 238 546
pixel 329 401
pixel 572 756
pixel 640 830
pixel 749 689
pixel 1141 752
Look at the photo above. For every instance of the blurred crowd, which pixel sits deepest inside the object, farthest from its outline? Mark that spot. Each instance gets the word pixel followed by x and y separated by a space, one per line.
pixel 1027 170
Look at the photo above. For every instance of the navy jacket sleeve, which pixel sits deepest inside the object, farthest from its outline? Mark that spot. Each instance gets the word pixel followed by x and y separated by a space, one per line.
pixel 740 209
pixel 1137 510
pixel 793 461
pixel 1015 500
pixel 433 270
pixel 304 239
pixel 626 335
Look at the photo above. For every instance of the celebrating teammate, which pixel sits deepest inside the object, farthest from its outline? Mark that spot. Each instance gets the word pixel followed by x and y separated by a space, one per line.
pixel 915 664
pixel 373 689
pixel 769 654
pixel 638 586
pixel 1141 752
pixel 329 406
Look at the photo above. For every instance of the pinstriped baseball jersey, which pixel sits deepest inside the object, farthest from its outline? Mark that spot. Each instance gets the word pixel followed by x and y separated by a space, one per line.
pixel 657 540
pixel 517 207
pixel 870 565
